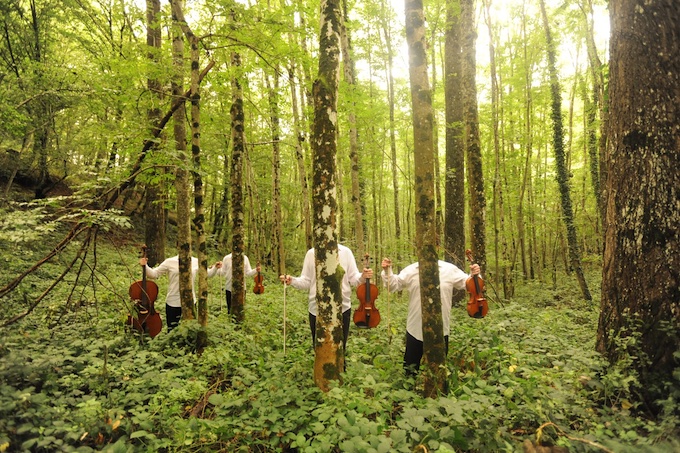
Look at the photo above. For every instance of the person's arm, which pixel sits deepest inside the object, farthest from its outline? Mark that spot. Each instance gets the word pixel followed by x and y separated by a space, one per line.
pixel 460 277
pixel 248 271
pixel 354 276
pixel 392 281
pixel 213 270
pixel 153 273
pixel 304 281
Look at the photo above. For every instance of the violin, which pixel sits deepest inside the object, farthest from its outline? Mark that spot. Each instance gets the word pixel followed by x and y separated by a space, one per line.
pixel 143 294
pixel 477 306
pixel 259 287
pixel 367 315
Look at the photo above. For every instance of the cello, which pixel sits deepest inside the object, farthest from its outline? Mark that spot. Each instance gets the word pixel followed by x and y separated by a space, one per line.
pixel 143 294
pixel 367 315
pixel 477 306
pixel 258 288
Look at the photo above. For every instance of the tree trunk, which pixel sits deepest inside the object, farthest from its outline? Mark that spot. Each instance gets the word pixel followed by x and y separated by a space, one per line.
pixel 277 221
pixel 238 150
pixel 329 354
pixel 640 282
pixel 393 140
pixel 475 174
pixel 199 219
pixel 154 208
pixel 560 161
pixel 434 356
pixel 182 180
pixel 300 159
pixel 354 146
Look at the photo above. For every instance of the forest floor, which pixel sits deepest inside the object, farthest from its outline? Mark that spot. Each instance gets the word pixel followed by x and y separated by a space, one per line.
pixel 73 378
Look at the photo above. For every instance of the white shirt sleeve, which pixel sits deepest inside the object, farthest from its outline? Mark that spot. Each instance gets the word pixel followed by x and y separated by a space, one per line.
pixel 308 275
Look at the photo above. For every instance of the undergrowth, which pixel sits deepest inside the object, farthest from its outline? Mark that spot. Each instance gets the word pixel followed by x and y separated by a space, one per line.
pixel 527 371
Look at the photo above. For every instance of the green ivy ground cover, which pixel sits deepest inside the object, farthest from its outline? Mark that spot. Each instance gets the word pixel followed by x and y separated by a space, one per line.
pixel 77 380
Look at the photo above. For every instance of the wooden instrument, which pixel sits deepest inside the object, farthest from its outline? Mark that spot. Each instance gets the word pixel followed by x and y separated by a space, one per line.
pixel 259 287
pixel 367 315
pixel 477 306
pixel 143 294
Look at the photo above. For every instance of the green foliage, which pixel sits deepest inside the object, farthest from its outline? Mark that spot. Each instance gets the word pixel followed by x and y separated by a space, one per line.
pixel 89 384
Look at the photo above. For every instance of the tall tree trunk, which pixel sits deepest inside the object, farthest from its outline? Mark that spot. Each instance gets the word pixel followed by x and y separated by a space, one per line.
pixel 154 208
pixel 182 179
pixel 276 175
pixel 560 161
pixel 329 358
pixel 454 180
pixel 393 139
pixel 199 219
pixel 497 186
pixel 597 148
pixel 640 280
pixel 354 146
pixel 237 160
pixel 300 159
pixel 434 355
pixel 475 174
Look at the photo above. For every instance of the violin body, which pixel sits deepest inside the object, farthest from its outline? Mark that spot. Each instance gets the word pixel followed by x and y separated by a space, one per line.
pixel 258 288
pixel 477 306
pixel 367 315
pixel 143 294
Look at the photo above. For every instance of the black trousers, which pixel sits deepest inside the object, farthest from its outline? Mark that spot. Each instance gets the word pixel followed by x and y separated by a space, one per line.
pixel 228 301
pixel 172 316
pixel 345 327
pixel 414 353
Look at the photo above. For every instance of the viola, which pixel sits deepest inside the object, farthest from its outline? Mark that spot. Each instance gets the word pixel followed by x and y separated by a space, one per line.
pixel 477 306
pixel 143 294
pixel 367 315
pixel 259 287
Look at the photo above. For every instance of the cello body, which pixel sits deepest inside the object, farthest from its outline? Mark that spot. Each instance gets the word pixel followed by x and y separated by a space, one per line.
pixel 143 294
pixel 367 315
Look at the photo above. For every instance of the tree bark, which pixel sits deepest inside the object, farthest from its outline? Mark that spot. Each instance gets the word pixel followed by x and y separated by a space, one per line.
pixel 154 208
pixel 640 279
pixel 182 180
pixel 354 145
pixel 329 354
pixel 434 356
pixel 238 150
pixel 475 174
pixel 454 227
pixel 560 161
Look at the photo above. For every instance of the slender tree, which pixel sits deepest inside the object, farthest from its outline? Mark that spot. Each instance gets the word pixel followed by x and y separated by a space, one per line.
pixel 182 186
pixel 434 355
pixel 640 288
pixel 560 160
pixel 329 354
pixel 473 150
pixel 454 226
pixel 237 164
pixel 154 209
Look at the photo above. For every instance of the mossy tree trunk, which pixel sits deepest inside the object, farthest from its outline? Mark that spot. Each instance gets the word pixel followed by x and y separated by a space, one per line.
pixel 238 292
pixel 561 161
pixel 640 276
pixel 434 356
pixel 154 207
pixel 454 225
pixel 329 354
pixel 182 177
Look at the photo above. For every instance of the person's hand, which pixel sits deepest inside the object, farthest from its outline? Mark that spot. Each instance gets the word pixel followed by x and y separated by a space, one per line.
pixel 143 261
pixel 474 269
pixel 285 279
pixel 218 264
pixel 386 263
pixel 367 273
pixel 258 268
